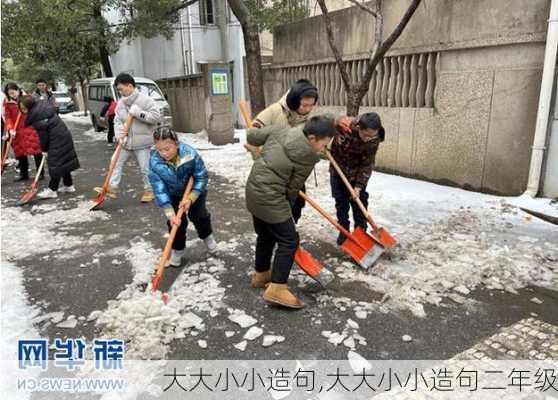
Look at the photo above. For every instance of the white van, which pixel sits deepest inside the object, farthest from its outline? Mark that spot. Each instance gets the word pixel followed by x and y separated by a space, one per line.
pixel 98 89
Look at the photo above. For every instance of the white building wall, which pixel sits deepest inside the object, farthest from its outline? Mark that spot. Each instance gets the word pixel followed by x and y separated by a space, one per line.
pixel 158 58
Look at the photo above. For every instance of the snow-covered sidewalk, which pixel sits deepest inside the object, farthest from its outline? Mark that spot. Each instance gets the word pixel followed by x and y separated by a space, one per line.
pixel 451 241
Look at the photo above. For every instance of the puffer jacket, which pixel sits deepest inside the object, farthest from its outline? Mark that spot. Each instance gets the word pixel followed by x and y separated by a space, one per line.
pixel 169 180
pixel 55 137
pixel 146 118
pixel 286 161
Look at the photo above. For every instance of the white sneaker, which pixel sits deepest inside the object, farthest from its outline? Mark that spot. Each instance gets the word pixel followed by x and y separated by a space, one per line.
pixel 211 244
pixel 176 258
pixel 47 194
pixel 67 189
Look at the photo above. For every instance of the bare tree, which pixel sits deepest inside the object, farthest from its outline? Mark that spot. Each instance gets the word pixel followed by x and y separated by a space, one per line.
pixel 357 90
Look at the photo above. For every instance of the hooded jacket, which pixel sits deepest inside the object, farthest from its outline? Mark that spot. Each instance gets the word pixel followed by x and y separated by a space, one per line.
pixel 146 118
pixel 55 138
pixel 286 161
pixel 284 111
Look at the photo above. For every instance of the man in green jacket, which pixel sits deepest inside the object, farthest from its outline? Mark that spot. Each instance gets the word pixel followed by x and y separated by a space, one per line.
pixel 287 159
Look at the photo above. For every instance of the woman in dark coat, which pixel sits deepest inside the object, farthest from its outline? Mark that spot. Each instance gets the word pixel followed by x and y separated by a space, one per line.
pixel 56 142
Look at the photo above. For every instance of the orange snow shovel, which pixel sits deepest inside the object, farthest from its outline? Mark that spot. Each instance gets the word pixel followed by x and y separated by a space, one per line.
pixel 303 258
pixel 359 245
pixel 381 236
pixel 166 252
pixel 254 150
pixel 100 198
pixel 9 145
pixel 28 196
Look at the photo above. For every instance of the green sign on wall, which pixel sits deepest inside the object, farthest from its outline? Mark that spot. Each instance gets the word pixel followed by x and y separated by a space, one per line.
pixel 219 82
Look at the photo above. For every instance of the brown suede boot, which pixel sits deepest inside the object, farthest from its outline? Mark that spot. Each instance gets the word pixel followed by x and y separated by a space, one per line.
pixel 260 280
pixel 279 294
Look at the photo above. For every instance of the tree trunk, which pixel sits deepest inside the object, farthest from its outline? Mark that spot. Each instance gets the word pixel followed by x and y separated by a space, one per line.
pixel 105 61
pixel 103 51
pixel 83 95
pixel 253 55
pixel 72 93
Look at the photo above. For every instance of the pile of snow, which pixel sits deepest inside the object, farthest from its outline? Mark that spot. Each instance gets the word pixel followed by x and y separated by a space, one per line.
pixel 144 322
pixel 42 227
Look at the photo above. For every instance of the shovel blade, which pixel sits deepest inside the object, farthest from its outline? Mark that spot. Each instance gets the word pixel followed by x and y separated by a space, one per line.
pixel 362 248
pixel 100 199
pixel 155 283
pixel 307 263
pixel 386 239
pixel 313 268
pixel 27 196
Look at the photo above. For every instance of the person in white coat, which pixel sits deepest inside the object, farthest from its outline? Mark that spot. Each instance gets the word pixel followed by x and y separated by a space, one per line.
pixel 139 139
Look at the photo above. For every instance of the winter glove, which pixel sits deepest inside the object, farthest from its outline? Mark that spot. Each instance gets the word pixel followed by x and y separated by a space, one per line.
pixel 185 204
pixel 12 133
pixel 344 124
pixel 135 111
pixel 171 216
pixel 174 220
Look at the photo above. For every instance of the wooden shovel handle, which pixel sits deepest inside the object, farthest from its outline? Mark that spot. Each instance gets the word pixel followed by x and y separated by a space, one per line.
pixel 9 144
pixel 38 173
pixel 172 234
pixel 116 154
pixel 325 214
pixel 352 191
pixel 245 114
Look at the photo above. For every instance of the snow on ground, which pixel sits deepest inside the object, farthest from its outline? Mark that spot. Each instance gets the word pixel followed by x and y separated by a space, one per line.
pixel 541 206
pixel 45 224
pixel 97 136
pixel 16 322
pixel 451 241
pixel 148 325
pixel 77 117
pixel 230 161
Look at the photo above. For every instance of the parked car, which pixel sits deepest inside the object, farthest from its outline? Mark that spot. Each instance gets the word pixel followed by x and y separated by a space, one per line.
pixel 64 102
pixel 99 89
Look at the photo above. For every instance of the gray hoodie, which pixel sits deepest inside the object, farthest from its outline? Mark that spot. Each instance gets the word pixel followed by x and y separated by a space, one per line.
pixel 146 118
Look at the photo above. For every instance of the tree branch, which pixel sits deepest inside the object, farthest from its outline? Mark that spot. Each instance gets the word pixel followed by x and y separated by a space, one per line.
pixel 184 4
pixel 364 7
pixel 385 46
pixel 333 46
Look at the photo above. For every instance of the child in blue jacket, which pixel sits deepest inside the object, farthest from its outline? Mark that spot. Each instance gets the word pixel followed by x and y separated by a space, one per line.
pixel 171 166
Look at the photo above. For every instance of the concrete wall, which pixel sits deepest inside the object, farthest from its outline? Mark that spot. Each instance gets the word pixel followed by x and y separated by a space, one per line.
pixel 186 97
pixel 436 25
pixel 479 133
